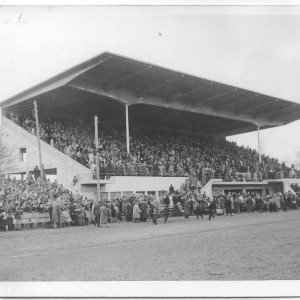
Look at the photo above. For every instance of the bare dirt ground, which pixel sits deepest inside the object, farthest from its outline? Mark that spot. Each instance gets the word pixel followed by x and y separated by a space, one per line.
pixel 253 246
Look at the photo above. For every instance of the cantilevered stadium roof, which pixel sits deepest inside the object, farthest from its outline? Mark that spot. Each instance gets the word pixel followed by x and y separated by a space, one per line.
pixel 158 96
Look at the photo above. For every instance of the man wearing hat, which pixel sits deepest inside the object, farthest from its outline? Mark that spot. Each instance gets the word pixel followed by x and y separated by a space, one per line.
pixel 154 211
pixel 136 212
pixel 97 213
pixel 228 204
pixel 103 215
pixel 166 202
pixel 56 211
pixel 211 208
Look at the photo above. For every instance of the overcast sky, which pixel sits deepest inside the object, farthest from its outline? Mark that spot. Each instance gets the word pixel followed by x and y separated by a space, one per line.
pixel 255 48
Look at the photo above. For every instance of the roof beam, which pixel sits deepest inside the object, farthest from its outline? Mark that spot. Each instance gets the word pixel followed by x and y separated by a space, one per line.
pixel 291 115
pixel 244 102
pixel 159 85
pixel 288 110
pixel 234 126
pixel 260 105
pixel 276 110
pixel 196 89
pixel 230 103
pixel 128 97
pixel 245 129
pixel 213 97
pixel 125 79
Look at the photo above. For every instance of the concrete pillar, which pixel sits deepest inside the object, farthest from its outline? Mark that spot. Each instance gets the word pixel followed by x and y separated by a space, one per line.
pixel 0 126
pixel 258 144
pixel 127 128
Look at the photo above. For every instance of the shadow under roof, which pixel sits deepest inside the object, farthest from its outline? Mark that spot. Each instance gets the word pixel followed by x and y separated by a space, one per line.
pixel 150 90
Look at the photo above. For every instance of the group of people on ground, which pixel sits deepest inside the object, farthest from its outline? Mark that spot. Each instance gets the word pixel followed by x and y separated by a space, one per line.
pixel 68 209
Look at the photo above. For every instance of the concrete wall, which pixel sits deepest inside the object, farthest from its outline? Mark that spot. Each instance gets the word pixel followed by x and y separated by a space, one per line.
pixel 221 188
pixel 122 185
pixel 287 184
pixel 15 137
pixel 274 186
pixel 208 187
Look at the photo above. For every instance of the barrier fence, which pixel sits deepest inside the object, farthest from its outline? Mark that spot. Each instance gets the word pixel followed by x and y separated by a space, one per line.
pixel 31 220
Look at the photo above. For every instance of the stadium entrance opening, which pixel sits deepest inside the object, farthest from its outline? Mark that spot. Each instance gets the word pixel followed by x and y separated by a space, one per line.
pixel 259 191
pixel 233 191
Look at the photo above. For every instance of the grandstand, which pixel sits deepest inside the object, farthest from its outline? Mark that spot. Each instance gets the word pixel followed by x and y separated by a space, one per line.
pixel 147 113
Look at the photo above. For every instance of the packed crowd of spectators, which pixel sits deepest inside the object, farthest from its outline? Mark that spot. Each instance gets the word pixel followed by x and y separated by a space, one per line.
pixel 37 195
pixel 155 153
pixel 235 202
pixel 66 209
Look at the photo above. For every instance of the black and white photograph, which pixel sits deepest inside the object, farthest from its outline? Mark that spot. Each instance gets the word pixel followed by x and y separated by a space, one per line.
pixel 146 144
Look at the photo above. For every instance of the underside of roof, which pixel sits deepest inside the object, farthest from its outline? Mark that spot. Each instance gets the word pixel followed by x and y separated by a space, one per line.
pixel 156 96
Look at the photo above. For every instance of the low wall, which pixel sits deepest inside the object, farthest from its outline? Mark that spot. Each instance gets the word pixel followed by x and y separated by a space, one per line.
pixel 124 185
pixel 32 220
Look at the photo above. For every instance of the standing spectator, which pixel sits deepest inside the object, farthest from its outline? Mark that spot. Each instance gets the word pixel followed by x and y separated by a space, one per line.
pixel 259 202
pixel 249 203
pixel 136 212
pixel 283 205
pixel 2 222
pixel 97 213
pixel 166 202
pixel 186 209
pixel 228 205
pixel 144 211
pixel 199 209
pixel 56 213
pixel 36 173
pixel 171 189
pixel 50 209
pixel 211 209
pixel 236 204
pixel 154 212
pixel 128 211
pixel 103 215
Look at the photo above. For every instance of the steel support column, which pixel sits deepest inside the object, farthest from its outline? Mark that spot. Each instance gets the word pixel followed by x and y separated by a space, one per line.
pixel 127 128
pixel 258 144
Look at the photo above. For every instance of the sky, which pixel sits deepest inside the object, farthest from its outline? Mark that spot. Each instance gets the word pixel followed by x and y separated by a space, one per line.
pixel 256 48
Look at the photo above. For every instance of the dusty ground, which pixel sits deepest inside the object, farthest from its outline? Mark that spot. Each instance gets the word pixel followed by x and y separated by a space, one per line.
pixel 242 247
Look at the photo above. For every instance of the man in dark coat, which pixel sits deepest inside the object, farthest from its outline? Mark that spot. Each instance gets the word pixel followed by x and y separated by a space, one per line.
pixel 73 216
pixel 50 209
pixel 36 173
pixel 191 201
pixel 166 202
pixel 211 209
pixel 153 212
pixel 128 211
pixel 171 189
pixel 259 203
pixel 97 213
pixel 249 203
pixel 187 208
pixel 283 203
pixel 2 223
pixel 56 213
pixel 228 206
pixel 199 209
pixel 144 209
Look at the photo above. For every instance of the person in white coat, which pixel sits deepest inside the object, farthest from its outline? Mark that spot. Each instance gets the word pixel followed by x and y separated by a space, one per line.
pixel 136 212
